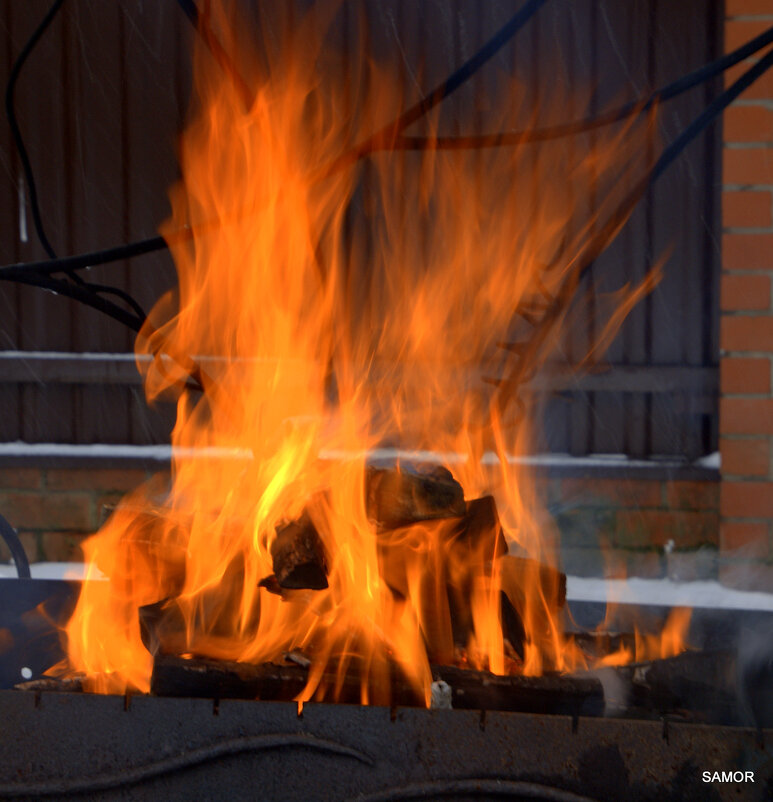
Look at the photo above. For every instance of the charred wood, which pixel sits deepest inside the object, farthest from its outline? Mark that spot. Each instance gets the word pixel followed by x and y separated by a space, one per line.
pixel 298 556
pixel 703 683
pixel 548 694
pixel 221 679
pixel 56 684
pixel 477 690
pixel 411 492
pixel 180 625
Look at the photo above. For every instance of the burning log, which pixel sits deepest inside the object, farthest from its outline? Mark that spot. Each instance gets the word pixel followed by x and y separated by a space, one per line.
pixel 704 683
pixel 442 563
pixel 471 690
pixel 222 679
pixel 411 492
pixel 53 684
pixel 479 536
pixel 298 556
pixel 177 625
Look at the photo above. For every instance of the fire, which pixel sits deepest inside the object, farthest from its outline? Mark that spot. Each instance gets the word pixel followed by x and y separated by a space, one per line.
pixel 331 312
pixel 670 642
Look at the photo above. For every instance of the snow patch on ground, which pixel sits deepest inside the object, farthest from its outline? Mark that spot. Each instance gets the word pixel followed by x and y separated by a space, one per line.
pixel 164 452
pixel 666 593
pixel 662 592
pixel 49 571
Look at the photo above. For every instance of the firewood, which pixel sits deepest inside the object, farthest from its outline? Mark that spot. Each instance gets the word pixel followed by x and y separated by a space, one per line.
pixel 222 679
pixel 477 690
pixel 548 694
pixel 522 576
pixel 481 531
pixel 411 492
pixel 299 559
pixel 55 684
pixel 202 624
pixel 701 682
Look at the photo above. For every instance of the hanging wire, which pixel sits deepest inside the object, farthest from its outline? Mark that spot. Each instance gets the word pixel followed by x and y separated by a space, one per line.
pixel 10 112
pixel 390 137
pixel 88 292
pixel 153 244
pixel 528 352
pixel 514 138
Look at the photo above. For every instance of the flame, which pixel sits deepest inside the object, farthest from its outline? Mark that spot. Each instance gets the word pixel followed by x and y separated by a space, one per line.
pixel 329 312
pixel 668 643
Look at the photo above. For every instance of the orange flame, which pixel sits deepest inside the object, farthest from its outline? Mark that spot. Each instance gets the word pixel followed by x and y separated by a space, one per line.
pixel 330 313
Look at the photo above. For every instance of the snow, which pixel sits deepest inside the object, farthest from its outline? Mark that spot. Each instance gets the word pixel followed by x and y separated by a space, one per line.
pixel 666 593
pixel 47 571
pixel 21 449
pixel 164 452
pixel 69 356
pixel 661 592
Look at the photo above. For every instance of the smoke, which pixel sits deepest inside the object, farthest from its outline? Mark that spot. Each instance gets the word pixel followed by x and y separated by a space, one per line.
pixel 754 675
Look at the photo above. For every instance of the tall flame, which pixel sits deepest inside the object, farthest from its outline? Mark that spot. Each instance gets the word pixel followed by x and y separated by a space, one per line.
pixel 330 312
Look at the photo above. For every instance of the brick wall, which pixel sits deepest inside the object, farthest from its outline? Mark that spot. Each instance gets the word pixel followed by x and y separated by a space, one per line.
pixel 746 333
pixel 606 526
pixel 637 527
pixel 55 509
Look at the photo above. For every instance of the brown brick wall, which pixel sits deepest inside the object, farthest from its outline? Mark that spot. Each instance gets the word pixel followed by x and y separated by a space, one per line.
pixel 606 526
pixel 746 333
pixel 635 527
pixel 55 509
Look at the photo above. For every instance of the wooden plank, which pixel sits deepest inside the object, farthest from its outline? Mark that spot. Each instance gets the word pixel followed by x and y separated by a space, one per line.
pixel 713 216
pixel 686 187
pixel 635 253
pixel 672 209
pixel 120 369
pixel 580 55
pixel 45 320
pixel 560 414
pixel 621 65
pixel 157 48
pixel 9 225
pixel 97 118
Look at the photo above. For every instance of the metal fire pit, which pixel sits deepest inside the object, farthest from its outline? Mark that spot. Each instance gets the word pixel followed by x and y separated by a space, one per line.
pixel 29 611
pixel 78 746
pixel 58 745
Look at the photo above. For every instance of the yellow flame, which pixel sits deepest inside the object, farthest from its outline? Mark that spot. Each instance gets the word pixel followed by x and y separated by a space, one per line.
pixel 330 312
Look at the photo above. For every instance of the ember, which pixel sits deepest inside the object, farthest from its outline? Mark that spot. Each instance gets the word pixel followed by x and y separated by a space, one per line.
pixel 355 309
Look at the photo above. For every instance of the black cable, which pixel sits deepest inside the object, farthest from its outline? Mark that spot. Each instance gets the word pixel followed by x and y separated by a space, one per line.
pixel 29 177
pixel 190 9
pixel 10 112
pixel 707 116
pixel 78 293
pixel 668 92
pixel 201 23
pixel 88 293
pixel 386 137
pixel 19 272
pixel 8 533
pixel 152 244
pixel 611 227
pixel 83 260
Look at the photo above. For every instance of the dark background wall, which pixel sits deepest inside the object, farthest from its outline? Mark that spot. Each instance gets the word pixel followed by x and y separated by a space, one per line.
pixel 102 99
